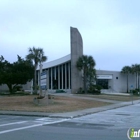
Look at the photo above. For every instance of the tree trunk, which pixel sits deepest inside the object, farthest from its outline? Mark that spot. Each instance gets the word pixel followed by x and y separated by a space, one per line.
pixel 90 82
pixel 10 88
pixel 136 81
pixel 35 84
pixel 85 81
pixel 127 83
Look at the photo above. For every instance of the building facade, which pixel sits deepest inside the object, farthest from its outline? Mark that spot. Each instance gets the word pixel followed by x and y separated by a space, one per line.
pixel 63 74
pixel 115 81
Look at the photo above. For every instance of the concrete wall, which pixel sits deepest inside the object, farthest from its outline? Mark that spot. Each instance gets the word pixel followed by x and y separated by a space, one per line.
pixel 3 87
pixel 120 84
pixel 25 87
pixel 76 52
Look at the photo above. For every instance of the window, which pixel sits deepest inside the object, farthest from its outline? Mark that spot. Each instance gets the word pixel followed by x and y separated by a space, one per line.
pixel 64 76
pixel 103 83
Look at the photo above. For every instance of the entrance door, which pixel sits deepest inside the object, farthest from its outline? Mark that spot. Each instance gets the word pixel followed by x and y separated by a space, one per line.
pixel 103 83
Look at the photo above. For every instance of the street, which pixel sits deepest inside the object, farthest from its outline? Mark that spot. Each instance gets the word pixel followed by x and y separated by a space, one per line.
pixel 106 125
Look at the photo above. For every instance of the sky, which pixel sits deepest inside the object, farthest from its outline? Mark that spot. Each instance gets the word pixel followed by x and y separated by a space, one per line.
pixel 110 29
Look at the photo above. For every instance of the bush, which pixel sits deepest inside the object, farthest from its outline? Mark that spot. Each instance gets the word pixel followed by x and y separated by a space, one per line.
pixel 95 89
pixel 39 97
pixel 17 88
pixel 135 92
pixel 98 87
pixel 60 91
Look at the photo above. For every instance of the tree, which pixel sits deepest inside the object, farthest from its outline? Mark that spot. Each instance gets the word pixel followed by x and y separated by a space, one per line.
pixel 138 77
pixel 126 70
pixel 86 64
pixel 91 76
pixel 136 71
pixel 1 58
pixel 12 74
pixel 37 56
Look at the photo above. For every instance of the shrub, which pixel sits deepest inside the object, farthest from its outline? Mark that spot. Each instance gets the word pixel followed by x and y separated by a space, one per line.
pixel 60 91
pixel 95 89
pixel 17 88
pixel 135 92
pixel 98 87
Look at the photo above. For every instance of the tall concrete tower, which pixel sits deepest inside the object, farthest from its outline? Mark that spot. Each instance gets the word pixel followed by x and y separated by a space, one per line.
pixel 76 52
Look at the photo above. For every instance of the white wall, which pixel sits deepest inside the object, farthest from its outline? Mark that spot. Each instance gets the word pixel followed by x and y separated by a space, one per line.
pixel 120 84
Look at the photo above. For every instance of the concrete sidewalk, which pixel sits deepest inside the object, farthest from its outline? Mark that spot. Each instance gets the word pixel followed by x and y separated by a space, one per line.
pixel 121 94
pixel 70 114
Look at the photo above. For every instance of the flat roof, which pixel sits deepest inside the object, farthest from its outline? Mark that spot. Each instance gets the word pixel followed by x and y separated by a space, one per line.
pixel 56 62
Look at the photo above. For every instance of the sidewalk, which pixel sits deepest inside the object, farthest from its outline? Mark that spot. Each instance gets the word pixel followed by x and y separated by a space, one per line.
pixel 73 114
pixel 121 94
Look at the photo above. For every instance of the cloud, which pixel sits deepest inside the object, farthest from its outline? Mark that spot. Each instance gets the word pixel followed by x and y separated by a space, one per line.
pixel 109 28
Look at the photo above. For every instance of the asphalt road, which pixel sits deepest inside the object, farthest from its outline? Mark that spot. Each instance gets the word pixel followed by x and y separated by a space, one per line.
pixel 106 125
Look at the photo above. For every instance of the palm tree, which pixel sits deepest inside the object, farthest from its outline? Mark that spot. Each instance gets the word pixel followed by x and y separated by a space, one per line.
pixel 138 76
pixel 91 76
pixel 37 56
pixel 126 70
pixel 136 70
pixel 85 63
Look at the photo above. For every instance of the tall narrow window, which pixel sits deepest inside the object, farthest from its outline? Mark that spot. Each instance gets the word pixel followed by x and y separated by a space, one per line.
pixel 60 69
pixel 67 67
pixel 49 78
pixel 63 76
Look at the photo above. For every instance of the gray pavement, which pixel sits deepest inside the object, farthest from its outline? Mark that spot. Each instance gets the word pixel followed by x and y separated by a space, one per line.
pixel 73 114
pixel 106 125
pixel 31 128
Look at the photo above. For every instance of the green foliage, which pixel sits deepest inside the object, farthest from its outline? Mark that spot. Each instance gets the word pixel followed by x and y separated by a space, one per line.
pixel 135 92
pixel 36 55
pixel 17 88
pixel 60 91
pixel 134 69
pixel 86 64
pixel 95 89
pixel 126 69
pixel 19 72
pixel 98 87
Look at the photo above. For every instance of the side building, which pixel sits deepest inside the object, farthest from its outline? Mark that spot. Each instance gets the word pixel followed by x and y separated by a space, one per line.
pixel 115 81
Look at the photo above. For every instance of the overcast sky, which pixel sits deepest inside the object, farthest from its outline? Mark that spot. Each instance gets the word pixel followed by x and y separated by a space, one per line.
pixel 110 29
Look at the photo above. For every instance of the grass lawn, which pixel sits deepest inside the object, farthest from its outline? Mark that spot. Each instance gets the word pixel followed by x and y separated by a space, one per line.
pixel 60 104
pixel 113 97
